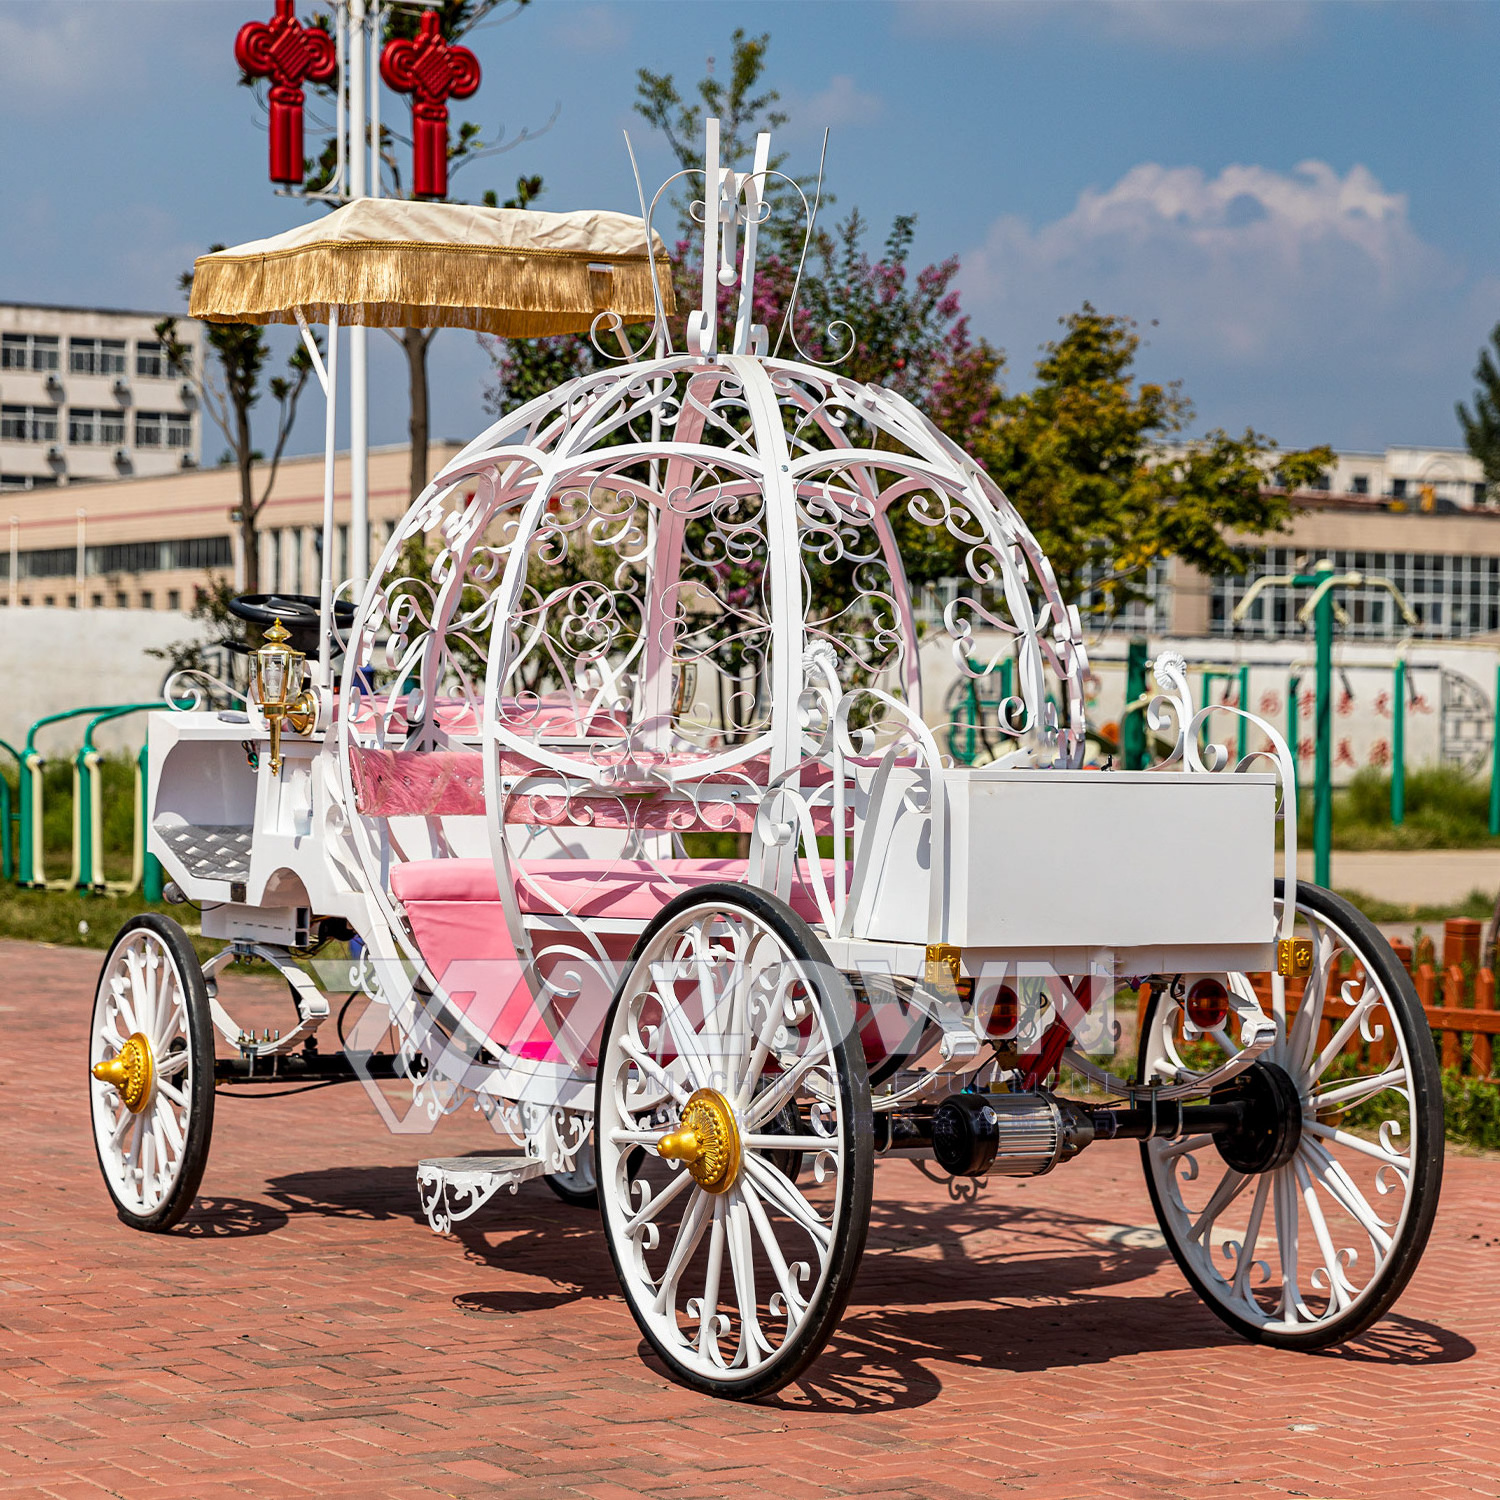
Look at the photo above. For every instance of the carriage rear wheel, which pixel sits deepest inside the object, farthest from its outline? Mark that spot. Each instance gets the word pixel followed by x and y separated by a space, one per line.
pixel 151 1066
pixel 730 1011
pixel 1303 1230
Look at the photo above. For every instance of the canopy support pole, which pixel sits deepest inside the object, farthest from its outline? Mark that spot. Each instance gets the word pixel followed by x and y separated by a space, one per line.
pixel 325 580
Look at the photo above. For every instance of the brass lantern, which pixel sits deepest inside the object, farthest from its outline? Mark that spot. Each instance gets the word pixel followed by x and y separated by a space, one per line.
pixel 279 690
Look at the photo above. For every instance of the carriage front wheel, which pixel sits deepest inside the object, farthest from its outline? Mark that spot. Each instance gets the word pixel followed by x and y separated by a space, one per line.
pixel 1301 1228
pixel 733 1141
pixel 151 1072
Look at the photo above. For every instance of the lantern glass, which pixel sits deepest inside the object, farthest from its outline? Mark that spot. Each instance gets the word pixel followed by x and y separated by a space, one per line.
pixel 273 665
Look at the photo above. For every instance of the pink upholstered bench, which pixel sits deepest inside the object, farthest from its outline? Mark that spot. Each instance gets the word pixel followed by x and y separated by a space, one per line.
pixel 458 924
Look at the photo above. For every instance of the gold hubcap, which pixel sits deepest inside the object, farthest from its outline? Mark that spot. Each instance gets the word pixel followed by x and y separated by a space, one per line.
pixel 131 1070
pixel 706 1140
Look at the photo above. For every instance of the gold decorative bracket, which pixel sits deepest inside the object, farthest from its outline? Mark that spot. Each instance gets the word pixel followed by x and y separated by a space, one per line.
pixel 1294 957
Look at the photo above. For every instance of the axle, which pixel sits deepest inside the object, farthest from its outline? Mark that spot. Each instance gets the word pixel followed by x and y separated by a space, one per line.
pixel 1255 1123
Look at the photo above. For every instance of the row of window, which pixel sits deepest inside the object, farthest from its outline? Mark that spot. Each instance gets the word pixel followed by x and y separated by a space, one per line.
pixel 122 557
pixel 39 424
pixel 146 600
pixel 43 352
pixel 1452 595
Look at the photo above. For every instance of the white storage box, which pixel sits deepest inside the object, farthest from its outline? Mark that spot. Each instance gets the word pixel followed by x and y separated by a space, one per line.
pixel 1077 860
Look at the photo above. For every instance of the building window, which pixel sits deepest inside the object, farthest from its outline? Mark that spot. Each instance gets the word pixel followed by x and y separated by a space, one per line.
pixel 96 601
pixel 174 599
pixel 1479 494
pixel 146 600
pixel 163 429
pixel 96 356
pixel 153 361
pixel 88 426
pixel 1398 488
pixel 122 601
pixel 28 424
pixel 28 351
pixel 1361 484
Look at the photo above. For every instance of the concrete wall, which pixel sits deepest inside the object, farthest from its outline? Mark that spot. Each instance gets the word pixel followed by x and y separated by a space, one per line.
pixel 56 659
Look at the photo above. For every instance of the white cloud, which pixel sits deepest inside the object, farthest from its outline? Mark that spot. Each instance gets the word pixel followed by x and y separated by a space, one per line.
pixel 591 28
pixel 842 102
pixel 1252 261
pixel 1307 286
pixel 52 53
pixel 1189 25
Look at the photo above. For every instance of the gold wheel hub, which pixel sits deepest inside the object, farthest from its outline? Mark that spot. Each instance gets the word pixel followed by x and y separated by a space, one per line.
pixel 707 1141
pixel 131 1070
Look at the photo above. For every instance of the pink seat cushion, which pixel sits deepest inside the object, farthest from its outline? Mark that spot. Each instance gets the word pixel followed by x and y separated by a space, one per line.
pixel 628 889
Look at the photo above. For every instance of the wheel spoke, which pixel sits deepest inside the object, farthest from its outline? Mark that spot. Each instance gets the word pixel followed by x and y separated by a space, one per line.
pixel 708 1340
pixel 1304 1031
pixel 1340 1292
pixel 1341 1188
pixel 1357 1090
pixel 169 1125
pixel 1366 1003
pixel 685 1039
pixel 633 1226
pixel 753 1342
pixel 1285 1210
pixel 172 1092
pixel 795 1305
pixel 1240 1287
pixel 649 1065
pixel 767 1105
pixel 788 1197
pixel 1231 1185
pixel 1337 1137
pixel 772 1142
pixel 1171 1150
pixel 172 1064
pixel 689 1232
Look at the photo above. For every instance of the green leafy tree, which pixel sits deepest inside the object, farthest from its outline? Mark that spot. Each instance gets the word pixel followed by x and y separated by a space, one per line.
pixel 228 390
pixel 1095 462
pixel 1481 428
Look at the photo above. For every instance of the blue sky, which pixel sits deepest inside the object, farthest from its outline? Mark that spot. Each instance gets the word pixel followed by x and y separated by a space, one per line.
pixel 1296 201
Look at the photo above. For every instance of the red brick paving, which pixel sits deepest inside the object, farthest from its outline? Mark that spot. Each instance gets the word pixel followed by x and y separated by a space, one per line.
pixel 304 1333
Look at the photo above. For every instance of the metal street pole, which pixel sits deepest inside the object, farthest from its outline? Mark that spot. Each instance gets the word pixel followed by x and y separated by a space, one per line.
pixel 1398 746
pixel 359 389
pixel 1323 749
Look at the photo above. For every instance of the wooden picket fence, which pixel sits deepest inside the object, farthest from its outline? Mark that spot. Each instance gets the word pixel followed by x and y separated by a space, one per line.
pixel 1458 996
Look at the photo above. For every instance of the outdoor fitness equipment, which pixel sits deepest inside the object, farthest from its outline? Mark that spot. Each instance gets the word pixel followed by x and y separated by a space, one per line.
pixel 506 796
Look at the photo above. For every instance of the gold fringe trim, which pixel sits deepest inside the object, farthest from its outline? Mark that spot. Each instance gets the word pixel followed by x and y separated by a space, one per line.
pixel 515 293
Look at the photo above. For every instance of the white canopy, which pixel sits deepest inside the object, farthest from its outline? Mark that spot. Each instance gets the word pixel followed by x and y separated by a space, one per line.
pixel 390 263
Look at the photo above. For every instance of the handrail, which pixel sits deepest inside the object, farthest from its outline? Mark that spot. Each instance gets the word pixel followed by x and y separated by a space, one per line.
pixel 31 870
pixel 7 817
pixel 88 810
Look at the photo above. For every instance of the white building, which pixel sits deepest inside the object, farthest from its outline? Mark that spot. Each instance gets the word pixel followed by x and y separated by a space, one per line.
pixel 89 394
pixel 1425 478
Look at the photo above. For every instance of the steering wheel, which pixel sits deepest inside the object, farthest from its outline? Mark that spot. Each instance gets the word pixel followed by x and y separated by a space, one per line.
pixel 299 614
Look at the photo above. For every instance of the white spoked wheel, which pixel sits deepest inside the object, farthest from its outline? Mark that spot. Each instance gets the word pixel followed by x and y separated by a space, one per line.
pixel 734 1141
pixel 151 1072
pixel 1302 1228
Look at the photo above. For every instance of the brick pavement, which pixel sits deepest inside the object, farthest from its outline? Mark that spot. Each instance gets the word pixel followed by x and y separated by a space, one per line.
pixel 304 1333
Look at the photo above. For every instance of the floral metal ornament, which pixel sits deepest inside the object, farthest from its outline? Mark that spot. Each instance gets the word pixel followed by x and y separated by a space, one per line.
pixel 432 70
pixel 289 54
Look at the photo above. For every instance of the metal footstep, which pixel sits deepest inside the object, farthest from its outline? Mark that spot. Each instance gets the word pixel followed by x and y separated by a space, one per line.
pixel 454 1187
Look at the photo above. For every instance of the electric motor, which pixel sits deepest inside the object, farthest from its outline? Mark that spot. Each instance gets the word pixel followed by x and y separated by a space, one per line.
pixel 1016 1135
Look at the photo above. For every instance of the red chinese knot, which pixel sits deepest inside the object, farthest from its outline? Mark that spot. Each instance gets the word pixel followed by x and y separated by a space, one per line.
pixel 432 71
pixel 288 53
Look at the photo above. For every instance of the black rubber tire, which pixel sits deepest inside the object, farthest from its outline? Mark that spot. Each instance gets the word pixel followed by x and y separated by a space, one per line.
pixel 573 1197
pixel 1426 1168
pixel 857 1185
pixel 200 1041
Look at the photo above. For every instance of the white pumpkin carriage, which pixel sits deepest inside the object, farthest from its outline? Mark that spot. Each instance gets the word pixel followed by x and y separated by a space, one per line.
pixel 625 787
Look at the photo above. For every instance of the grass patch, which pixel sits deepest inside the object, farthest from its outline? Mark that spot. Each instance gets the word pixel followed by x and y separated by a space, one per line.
pixel 1444 810
pixel 78 919
pixel 1478 904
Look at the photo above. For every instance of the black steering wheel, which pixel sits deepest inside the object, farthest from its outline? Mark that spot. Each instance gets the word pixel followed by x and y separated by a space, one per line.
pixel 299 614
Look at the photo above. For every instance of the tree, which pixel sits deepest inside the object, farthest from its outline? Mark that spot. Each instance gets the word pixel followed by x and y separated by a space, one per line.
pixel 227 393
pixel 1482 429
pixel 903 331
pixel 1082 457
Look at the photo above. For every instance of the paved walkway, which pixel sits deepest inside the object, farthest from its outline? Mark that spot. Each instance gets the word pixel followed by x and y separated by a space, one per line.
pixel 303 1333
pixel 1419 877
